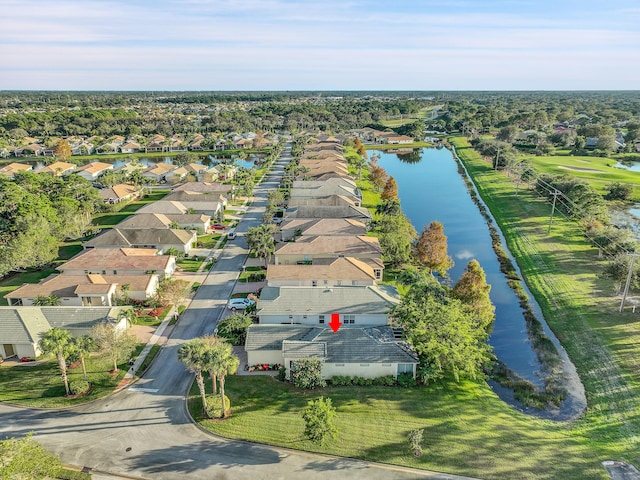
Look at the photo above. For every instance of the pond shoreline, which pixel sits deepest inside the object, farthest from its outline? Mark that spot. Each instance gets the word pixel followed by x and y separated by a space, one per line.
pixel 558 372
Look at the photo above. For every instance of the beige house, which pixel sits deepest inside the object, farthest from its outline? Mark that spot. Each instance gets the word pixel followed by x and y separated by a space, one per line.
pixel 161 239
pixel 223 189
pixel 187 221
pixel 321 226
pixel 327 211
pixel 210 204
pixel 58 169
pixel 368 352
pixel 330 200
pixel 13 168
pixel 327 273
pixel 119 193
pixel 120 261
pixel 357 306
pixel 92 171
pixel 324 189
pixel 21 328
pixel 307 249
pixel 85 290
pixel 159 172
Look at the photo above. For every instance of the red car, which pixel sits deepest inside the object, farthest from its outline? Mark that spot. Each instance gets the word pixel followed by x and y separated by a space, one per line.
pixel 218 226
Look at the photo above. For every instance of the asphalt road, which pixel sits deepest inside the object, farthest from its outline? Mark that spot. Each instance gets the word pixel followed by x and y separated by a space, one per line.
pixel 144 431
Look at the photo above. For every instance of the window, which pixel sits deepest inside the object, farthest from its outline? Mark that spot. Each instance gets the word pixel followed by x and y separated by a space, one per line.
pixel 314 283
pixel 290 316
pixel 348 319
pixel 320 318
pixel 304 316
pixel 377 273
pixel 405 368
pixel 115 272
pixel 339 282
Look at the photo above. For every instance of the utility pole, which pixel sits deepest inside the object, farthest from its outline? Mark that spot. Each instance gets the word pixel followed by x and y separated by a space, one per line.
pixel 629 275
pixel 553 209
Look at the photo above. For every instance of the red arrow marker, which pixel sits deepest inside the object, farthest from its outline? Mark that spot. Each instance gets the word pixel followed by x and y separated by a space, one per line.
pixel 335 322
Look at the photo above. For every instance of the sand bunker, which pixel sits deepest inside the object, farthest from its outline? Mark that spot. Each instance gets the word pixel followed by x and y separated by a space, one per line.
pixel 579 169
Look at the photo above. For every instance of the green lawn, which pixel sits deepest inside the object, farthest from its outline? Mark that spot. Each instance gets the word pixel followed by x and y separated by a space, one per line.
pixel 597 171
pixel 107 220
pixel 41 386
pixel 468 430
pixel 189 264
pixel 12 282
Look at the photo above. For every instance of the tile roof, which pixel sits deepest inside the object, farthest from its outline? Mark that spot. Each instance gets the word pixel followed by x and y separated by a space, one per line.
pixel 319 300
pixel 56 167
pixel 346 245
pixel 213 187
pixel 335 269
pixel 72 285
pixel 162 206
pixel 329 200
pixel 95 167
pixel 187 196
pixel 117 258
pixel 149 236
pixel 119 191
pixel 160 169
pixel 145 220
pixel 325 211
pixel 325 226
pixel 79 317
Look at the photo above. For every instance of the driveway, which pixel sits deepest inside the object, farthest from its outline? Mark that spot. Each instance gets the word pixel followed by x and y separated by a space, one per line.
pixel 145 431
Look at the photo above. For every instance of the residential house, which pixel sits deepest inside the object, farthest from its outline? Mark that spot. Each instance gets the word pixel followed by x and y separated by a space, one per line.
pixel 243 143
pixel 356 306
pixel 330 200
pixel 92 171
pixel 398 139
pixel 224 189
pixel 307 211
pixel 321 226
pixel 323 189
pixel 200 202
pixel 85 290
pixel 345 182
pixel 58 169
pixel 120 261
pixel 164 207
pixel 307 249
pixel 328 272
pixel 195 221
pixel 22 328
pixel 159 172
pixel 368 352
pixel 130 147
pixel 161 239
pixel 13 168
pixel 119 193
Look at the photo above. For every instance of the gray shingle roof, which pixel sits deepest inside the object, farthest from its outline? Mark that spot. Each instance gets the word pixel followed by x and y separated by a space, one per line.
pixel 23 325
pixel 78 317
pixel 347 345
pixel 147 236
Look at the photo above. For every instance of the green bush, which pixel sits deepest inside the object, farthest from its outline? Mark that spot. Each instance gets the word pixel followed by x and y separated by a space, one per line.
pixel 78 387
pixel 214 406
pixel 307 373
pixel 406 380
pixel 341 380
pixel 282 373
pixel 386 381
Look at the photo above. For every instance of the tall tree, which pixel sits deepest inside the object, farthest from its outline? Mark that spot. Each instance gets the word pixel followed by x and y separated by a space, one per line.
pixel 119 345
pixel 261 242
pixel 59 342
pixel 223 362
pixel 83 346
pixel 390 191
pixel 443 334
pixel 472 289
pixel 431 249
pixel 63 150
pixel 193 355
pixel 378 175
pixel 396 235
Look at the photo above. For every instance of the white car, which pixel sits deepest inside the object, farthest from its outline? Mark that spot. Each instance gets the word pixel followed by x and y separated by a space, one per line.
pixel 239 303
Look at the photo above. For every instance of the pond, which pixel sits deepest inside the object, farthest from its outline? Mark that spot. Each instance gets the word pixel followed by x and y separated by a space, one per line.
pixel 431 188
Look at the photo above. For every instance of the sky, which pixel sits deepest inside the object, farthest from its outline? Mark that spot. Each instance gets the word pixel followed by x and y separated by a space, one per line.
pixel 319 45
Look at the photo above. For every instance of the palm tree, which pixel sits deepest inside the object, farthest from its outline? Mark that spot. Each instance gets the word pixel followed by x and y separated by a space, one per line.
pixel 82 346
pixel 59 342
pixel 193 355
pixel 212 342
pixel 261 242
pixel 46 301
pixel 224 362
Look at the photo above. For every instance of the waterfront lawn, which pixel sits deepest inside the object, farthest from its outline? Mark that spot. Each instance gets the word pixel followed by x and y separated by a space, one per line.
pixel 468 430
pixel 562 270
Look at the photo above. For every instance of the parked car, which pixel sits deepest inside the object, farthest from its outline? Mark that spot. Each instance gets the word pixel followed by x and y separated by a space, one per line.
pixel 232 234
pixel 218 226
pixel 239 303
pixel 277 220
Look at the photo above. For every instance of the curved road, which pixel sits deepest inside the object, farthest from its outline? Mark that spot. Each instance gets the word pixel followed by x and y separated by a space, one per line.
pixel 144 431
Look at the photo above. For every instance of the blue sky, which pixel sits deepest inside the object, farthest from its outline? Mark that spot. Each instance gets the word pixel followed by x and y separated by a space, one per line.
pixel 319 45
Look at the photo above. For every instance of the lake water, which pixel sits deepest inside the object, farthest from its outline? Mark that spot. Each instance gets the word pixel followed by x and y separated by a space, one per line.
pixel 431 188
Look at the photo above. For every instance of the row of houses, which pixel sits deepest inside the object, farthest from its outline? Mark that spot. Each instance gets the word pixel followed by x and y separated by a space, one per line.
pixel 324 267
pixel 30 146
pixel 371 135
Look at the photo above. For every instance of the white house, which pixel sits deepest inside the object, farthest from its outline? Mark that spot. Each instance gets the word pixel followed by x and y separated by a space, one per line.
pixel 368 352
pixel 92 171
pixel 161 239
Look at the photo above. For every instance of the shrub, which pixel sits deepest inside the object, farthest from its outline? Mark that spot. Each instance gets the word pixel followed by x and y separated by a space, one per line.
pixel 214 406
pixel 386 381
pixel 79 387
pixel 307 373
pixel 282 373
pixel 318 418
pixel 341 380
pixel 415 441
pixel 406 380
